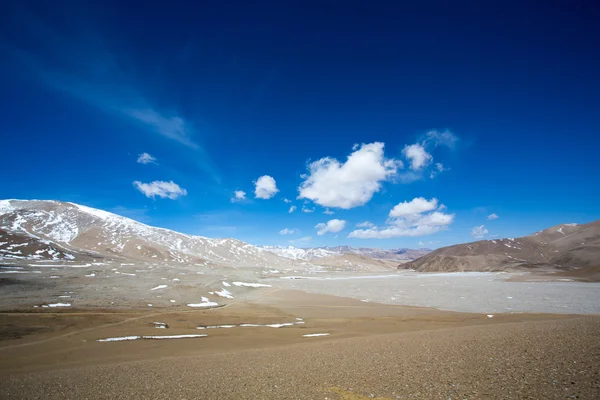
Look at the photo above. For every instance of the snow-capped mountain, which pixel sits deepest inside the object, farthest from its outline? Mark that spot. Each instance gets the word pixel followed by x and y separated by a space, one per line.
pixel 296 253
pixel 320 252
pixel 76 229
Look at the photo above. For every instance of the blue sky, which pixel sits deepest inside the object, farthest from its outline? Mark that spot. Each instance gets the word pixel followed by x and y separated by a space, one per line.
pixel 352 108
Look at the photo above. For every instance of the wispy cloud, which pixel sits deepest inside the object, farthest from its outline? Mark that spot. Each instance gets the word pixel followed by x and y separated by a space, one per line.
pixel 492 216
pixel 303 241
pixel 85 66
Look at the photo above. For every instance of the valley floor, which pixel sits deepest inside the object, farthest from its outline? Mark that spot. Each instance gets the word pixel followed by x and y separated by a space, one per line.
pixel 267 347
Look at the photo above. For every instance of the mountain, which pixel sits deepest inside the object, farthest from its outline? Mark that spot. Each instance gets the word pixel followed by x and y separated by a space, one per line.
pixel 320 252
pixel 296 253
pixel 45 229
pixel 563 247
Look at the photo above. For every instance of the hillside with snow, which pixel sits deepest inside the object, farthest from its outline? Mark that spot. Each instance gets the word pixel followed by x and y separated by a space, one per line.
pixel 76 230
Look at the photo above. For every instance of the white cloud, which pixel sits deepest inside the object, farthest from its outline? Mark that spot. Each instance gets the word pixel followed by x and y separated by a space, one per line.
pixel 287 201
pixel 292 209
pixel 146 158
pixel 328 212
pixel 365 224
pixel 307 210
pixel 418 217
pixel 492 216
pixel 265 187
pixel 238 195
pixel 331 183
pixel 161 189
pixel 302 241
pixel 478 232
pixel 415 206
pixel 417 155
pixel 333 226
pixel 286 231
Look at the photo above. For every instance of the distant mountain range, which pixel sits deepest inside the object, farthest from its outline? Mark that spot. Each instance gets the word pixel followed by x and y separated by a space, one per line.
pixel 562 247
pixel 54 230
pixel 311 253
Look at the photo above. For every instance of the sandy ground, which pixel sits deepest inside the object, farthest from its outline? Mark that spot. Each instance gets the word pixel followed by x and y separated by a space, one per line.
pixel 372 350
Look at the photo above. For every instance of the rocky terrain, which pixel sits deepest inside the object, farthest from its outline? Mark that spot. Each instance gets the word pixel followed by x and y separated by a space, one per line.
pixel 562 247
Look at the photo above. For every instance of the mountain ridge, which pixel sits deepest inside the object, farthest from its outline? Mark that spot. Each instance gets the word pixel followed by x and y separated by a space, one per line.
pixel 561 247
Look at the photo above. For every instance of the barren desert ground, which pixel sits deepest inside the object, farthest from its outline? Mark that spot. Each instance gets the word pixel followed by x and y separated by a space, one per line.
pixel 370 350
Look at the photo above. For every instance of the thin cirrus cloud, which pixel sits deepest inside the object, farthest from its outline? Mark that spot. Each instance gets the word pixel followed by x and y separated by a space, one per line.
pixel 265 187
pixel 146 158
pixel 85 66
pixel 418 217
pixel 303 241
pixel 162 189
pixel 286 231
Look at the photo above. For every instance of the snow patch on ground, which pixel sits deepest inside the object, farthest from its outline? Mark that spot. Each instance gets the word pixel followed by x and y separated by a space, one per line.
pixel 224 293
pixel 253 285
pixel 315 334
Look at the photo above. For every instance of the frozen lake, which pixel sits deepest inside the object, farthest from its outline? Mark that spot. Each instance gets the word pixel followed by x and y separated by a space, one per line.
pixel 477 292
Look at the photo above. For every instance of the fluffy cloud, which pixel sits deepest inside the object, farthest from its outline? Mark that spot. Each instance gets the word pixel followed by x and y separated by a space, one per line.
pixel 287 201
pixel 307 210
pixel 492 217
pixel 331 183
pixel 328 212
pixel 415 206
pixel 265 187
pixel 478 232
pixel 146 158
pixel 418 217
pixel 161 189
pixel 286 231
pixel 365 224
pixel 292 209
pixel 333 226
pixel 238 195
pixel 418 157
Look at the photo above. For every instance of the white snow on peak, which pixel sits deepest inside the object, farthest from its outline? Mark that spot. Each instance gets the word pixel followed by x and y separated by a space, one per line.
pixel 5 207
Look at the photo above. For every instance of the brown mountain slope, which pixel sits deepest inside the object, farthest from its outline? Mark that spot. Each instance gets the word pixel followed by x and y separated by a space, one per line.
pixel 563 247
